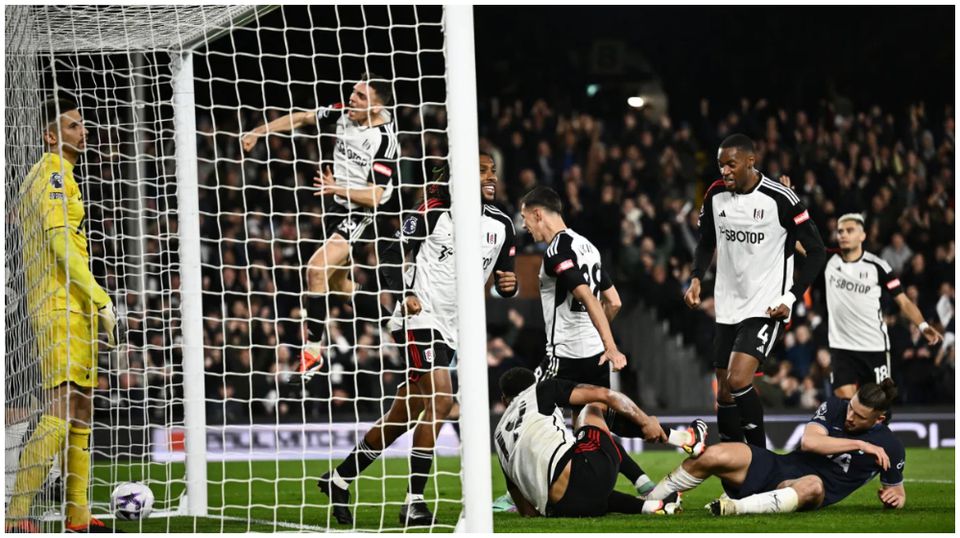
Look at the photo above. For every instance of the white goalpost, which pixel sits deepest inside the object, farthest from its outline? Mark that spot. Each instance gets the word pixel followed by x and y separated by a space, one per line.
pixel 204 247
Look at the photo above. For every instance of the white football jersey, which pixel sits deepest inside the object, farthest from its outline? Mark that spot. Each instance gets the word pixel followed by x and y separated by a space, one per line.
pixel 855 319
pixel 531 439
pixel 755 236
pixel 570 332
pixel 362 154
pixel 433 278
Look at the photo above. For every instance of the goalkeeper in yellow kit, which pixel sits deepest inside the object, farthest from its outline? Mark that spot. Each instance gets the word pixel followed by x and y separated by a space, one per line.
pixel 66 304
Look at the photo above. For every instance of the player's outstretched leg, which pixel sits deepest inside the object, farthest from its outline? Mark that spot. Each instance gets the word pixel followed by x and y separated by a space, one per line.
pixel 727 461
pixel 437 391
pixel 804 493
pixel 336 485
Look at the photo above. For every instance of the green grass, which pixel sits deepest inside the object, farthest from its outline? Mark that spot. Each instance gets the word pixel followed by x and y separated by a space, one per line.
pixel 262 496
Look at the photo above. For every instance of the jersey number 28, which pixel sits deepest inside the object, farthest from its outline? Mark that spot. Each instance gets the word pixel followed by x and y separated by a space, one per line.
pixel 592 276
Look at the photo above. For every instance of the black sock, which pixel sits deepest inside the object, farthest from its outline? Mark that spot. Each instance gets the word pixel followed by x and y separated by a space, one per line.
pixel 728 422
pixel 628 467
pixel 358 460
pixel 751 415
pixel 366 306
pixel 420 461
pixel 316 316
pixel 624 428
pixel 624 504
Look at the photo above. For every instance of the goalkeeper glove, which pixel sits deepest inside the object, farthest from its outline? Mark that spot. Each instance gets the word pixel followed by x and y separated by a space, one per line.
pixel 113 325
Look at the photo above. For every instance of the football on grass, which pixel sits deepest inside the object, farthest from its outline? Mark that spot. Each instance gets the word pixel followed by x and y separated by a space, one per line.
pixel 131 501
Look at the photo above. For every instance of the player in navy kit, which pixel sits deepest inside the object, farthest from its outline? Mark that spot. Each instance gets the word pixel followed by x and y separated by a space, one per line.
pixel 753 224
pixel 845 444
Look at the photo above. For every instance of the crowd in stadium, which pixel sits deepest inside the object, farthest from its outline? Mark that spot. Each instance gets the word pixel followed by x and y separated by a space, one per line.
pixel 632 184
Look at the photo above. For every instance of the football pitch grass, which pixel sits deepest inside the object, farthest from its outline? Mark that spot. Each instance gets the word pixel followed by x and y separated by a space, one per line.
pixel 275 497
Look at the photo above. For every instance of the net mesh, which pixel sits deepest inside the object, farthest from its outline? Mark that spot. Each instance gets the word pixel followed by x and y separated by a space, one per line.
pixel 270 433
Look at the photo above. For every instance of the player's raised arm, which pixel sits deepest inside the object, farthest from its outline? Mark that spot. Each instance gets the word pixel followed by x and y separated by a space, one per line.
pixel 283 124
pixel 703 254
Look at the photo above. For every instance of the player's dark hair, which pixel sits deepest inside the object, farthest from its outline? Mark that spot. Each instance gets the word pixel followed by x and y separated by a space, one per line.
pixel 740 141
pixel 380 85
pixel 487 154
pixel 878 396
pixel 54 107
pixel 544 197
pixel 515 381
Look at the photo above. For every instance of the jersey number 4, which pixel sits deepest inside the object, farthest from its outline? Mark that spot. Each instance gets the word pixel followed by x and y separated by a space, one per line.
pixel 592 276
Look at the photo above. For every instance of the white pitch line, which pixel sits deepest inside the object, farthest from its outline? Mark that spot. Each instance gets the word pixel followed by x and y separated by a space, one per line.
pixel 928 480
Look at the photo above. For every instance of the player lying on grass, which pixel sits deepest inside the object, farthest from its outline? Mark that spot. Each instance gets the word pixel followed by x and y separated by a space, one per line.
pixel 845 445
pixel 551 473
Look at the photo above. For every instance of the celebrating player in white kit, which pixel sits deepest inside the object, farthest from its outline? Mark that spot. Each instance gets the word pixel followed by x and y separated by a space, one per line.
pixel 426 324
pixel 363 178
pixel 855 280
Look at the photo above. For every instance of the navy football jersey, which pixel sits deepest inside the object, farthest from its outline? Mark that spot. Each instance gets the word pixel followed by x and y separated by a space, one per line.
pixel 844 473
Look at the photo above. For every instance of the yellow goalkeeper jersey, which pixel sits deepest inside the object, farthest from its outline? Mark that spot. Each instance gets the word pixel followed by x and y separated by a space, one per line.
pixel 50 202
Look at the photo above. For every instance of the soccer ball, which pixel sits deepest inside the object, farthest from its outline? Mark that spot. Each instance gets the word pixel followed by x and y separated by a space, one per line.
pixel 131 501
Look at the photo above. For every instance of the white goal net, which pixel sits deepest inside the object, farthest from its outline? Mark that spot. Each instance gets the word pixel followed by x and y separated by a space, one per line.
pixel 205 249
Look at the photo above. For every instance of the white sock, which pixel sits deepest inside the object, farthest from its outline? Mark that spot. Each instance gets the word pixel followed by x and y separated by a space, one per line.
pixel 677 480
pixel 642 480
pixel 411 498
pixel 13 436
pixel 779 501
pixel 338 481
pixel 679 438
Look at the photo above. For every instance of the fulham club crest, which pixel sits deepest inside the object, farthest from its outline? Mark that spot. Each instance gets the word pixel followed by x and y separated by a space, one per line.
pixel 758 215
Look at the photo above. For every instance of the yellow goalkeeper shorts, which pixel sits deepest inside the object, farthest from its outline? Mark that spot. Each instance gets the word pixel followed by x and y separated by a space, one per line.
pixel 68 348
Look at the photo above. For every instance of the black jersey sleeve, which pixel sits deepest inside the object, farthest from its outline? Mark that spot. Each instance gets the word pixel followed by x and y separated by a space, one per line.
pixel 605 281
pixel 560 262
pixel 888 280
pixel 703 254
pixel 328 115
pixel 507 259
pixel 415 229
pixel 810 265
pixel 553 393
pixel 893 476
pixel 384 167
pixel 795 218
